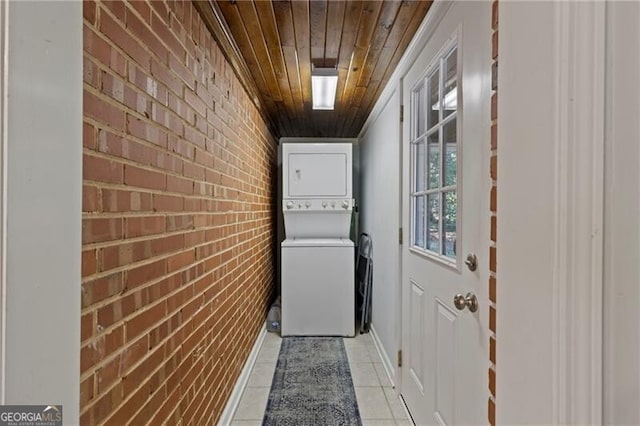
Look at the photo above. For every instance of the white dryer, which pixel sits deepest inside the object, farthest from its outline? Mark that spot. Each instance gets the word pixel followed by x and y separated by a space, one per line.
pixel 317 270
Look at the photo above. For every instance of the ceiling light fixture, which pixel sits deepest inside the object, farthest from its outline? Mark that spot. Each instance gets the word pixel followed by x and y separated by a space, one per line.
pixel 324 83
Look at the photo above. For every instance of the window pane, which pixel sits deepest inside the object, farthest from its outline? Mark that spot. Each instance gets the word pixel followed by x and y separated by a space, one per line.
pixel 418 108
pixel 418 221
pixel 433 160
pixel 450 83
pixel 449 225
pixel 433 84
pixel 419 162
pixel 451 153
pixel 433 222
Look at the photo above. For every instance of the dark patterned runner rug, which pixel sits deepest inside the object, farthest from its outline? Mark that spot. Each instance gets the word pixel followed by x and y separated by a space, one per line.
pixel 312 384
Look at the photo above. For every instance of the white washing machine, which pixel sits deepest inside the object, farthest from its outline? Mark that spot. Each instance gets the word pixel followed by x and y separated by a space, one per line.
pixel 317 269
pixel 318 296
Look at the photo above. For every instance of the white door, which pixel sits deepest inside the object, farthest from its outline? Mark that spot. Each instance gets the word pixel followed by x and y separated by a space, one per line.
pixel 446 188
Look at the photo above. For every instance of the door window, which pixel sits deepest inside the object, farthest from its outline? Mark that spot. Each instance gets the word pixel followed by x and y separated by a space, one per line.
pixel 434 159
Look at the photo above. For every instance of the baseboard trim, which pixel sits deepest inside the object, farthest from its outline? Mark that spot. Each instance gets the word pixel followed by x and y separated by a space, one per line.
pixel 386 361
pixel 241 383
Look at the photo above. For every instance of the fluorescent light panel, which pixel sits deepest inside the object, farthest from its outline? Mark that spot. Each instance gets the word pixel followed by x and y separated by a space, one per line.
pixel 324 83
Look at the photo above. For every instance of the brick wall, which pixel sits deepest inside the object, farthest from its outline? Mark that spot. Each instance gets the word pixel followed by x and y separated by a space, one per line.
pixel 493 204
pixel 178 217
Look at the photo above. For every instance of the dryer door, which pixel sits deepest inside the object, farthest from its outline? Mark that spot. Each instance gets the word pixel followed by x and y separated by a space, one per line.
pixel 317 171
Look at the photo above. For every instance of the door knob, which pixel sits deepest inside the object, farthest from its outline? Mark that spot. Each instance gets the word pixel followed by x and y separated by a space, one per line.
pixel 471 262
pixel 470 301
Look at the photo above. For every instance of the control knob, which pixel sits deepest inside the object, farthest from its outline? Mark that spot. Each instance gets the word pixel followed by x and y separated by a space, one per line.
pixel 345 204
pixel 324 204
pixel 289 204
pixel 307 204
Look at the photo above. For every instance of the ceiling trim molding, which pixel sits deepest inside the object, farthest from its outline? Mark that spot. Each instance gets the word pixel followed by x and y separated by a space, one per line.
pixel 211 14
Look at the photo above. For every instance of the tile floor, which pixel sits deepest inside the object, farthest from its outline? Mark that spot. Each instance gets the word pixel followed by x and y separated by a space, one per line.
pixel 376 398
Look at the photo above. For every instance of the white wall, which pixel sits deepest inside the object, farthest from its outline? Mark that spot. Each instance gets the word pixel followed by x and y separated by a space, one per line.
pixel 551 104
pixel 526 154
pixel 622 216
pixel 43 142
pixel 380 218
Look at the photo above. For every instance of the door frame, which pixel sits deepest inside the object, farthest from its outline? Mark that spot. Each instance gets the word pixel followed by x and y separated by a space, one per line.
pixel 565 93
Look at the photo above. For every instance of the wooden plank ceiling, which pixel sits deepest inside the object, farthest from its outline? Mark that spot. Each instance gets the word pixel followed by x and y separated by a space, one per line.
pixel 274 44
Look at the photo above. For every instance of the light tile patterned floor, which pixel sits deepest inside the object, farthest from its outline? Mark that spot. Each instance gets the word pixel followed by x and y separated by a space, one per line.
pixel 377 400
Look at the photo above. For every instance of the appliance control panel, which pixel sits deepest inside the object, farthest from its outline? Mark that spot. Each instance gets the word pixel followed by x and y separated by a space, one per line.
pixel 339 204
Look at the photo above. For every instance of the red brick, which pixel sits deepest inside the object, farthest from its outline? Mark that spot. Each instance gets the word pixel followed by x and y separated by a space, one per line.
pixel 177 184
pixel 179 223
pixel 89 262
pixel 123 254
pixel 86 326
pixel 143 371
pixel 494 45
pixel 193 171
pixel 492 412
pixel 494 228
pixel 183 72
pixel 108 374
pixel 86 390
pixel 102 111
pixel 143 9
pixel 146 131
pixel 121 308
pixel 142 31
pixel 160 27
pixel 493 199
pixel 492 350
pixel 101 229
pixel 88 136
pixel 132 403
pixel 142 321
pixel 494 136
pixel 90 199
pixel 161 10
pixel 116 7
pixel 166 77
pixel 89 11
pixel 96 46
pixel 167 203
pixel 90 73
pixel 143 178
pixel 494 106
pixel 167 244
pixel 494 167
pixel 123 201
pixel 492 289
pixel 101 288
pixel 195 102
pixel 492 382
pixel 492 319
pixel 120 37
pixel 146 273
pixel 492 259
pixel 180 260
pixel 137 226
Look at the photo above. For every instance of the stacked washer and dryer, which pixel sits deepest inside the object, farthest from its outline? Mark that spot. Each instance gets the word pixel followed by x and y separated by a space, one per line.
pixel 317 270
